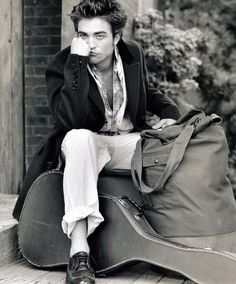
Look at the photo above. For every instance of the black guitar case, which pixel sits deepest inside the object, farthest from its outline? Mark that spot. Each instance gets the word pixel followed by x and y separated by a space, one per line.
pixel 125 236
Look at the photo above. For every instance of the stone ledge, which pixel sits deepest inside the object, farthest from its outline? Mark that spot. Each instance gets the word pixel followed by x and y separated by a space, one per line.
pixel 9 251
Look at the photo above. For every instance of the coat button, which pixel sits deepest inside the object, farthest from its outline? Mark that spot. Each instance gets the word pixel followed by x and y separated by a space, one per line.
pixel 156 161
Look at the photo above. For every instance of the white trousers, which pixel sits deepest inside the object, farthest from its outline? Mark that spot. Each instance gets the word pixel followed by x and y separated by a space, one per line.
pixel 86 153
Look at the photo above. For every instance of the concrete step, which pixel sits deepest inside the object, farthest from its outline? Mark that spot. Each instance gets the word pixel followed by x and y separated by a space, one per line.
pixel 9 251
pixel 21 272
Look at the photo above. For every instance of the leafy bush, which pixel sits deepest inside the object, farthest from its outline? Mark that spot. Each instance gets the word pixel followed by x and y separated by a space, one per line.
pixel 171 54
pixel 192 56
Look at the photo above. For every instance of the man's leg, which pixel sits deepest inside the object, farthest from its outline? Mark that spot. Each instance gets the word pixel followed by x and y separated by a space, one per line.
pixel 121 149
pixel 85 155
pixel 84 159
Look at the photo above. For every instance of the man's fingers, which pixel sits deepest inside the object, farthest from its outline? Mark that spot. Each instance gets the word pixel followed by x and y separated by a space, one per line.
pixel 151 119
pixel 79 46
pixel 163 123
pixel 160 124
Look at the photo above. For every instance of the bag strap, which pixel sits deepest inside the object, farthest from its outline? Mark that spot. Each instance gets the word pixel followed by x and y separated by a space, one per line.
pixel 175 157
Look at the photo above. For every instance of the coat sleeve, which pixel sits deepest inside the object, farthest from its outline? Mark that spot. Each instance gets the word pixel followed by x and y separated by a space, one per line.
pixel 67 89
pixel 158 102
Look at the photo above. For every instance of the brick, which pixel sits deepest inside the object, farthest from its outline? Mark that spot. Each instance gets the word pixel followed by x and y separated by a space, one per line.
pixel 36 21
pixel 41 131
pixel 42 31
pixel 41 91
pixel 29 51
pixel 41 11
pixel 51 120
pixel 55 21
pixel 29 110
pixel 30 150
pixel 29 131
pixel 33 60
pixel 36 41
pixel 35 81
pixel 33 140
pixel 28 91
pixel 36 3
pixel 39 70
pixel 55 3
pixel 46 50
pixel 42 110
pixel 36 100
pixel 33 120
pixel 29 70
pixel 55 40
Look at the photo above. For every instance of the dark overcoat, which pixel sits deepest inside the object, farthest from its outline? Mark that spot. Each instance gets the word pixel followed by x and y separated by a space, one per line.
pixel 75 102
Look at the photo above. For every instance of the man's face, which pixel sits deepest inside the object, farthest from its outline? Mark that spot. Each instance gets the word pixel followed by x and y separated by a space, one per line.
pixel 98 35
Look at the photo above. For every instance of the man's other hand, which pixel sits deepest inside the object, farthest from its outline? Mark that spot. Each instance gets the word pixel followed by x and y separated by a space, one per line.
pixel 163 123
pixel 151 119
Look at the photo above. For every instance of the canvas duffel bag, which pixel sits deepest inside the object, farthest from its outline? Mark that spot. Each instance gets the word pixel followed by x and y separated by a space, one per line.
pixel 181 171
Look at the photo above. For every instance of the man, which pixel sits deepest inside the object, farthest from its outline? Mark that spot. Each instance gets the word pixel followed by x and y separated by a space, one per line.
pixel 98 95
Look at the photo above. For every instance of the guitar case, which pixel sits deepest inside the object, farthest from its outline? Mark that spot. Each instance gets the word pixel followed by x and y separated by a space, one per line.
pixel 125 237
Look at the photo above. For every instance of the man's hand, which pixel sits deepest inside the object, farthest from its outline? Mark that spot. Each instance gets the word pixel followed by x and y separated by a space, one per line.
pixel 151 119
pixel 163 123
pixel 155 122
pixel 79 46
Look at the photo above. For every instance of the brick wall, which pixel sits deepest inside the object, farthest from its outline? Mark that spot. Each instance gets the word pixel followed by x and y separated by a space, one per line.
pixel 42 36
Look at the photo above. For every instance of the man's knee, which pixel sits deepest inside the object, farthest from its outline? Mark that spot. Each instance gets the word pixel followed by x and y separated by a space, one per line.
pixel 77 137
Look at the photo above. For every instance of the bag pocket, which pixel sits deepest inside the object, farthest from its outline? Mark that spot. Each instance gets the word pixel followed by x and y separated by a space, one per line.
pixel 153 167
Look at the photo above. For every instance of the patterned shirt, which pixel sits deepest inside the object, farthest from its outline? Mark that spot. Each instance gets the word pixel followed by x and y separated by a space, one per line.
pixel 117 118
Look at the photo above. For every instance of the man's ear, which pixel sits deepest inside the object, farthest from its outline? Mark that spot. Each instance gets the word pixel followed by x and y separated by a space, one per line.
pixel 117 38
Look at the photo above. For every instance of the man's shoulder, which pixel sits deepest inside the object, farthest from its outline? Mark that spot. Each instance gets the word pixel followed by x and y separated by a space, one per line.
pixel 60 58
pixel 130 49
pixel 132 45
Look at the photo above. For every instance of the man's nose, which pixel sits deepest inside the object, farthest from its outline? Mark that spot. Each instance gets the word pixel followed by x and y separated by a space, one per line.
pixel 91 43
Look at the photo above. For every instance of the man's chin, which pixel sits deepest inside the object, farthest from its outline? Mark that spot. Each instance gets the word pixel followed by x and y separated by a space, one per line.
pixel 93 60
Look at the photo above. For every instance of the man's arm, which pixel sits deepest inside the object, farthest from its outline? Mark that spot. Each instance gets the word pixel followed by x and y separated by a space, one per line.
pixel 159 104
pixel 162 106
pixel 67 88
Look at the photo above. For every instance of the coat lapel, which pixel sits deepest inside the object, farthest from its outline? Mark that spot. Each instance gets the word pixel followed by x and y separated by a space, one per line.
pixel 132 75
pixel 95 96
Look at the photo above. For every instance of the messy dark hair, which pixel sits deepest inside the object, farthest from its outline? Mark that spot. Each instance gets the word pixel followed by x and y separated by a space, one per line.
pixel 109 10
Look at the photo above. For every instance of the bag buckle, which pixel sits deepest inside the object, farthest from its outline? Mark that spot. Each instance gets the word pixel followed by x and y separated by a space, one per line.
pixel 195 122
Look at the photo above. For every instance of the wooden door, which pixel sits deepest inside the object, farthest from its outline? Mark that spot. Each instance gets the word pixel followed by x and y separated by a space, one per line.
pixel 11 96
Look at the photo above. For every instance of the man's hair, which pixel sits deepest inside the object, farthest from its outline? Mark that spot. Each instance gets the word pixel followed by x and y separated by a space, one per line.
pixel 109 10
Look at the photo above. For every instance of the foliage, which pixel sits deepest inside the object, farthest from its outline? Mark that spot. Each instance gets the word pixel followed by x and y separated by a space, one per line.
pixel 190 52
pixel 171 53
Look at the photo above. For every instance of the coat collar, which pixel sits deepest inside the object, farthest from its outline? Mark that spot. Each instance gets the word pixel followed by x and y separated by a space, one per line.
pixel 132 77
pixel 125 53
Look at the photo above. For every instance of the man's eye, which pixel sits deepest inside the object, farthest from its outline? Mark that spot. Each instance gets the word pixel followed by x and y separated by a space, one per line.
pixel 100 36
pixel 83 36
